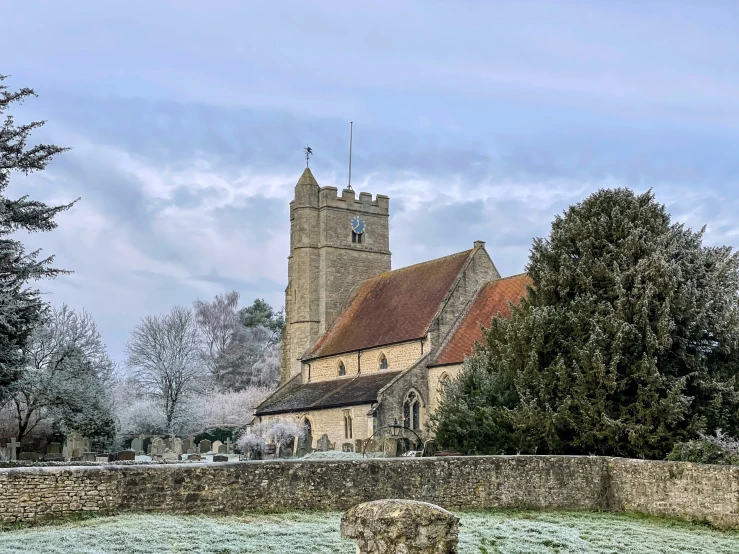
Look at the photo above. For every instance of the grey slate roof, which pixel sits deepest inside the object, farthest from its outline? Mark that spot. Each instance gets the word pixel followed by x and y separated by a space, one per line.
pixel 335 393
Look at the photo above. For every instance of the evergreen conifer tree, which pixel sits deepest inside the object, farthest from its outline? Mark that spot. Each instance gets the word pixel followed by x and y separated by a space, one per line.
pixel 627 343
pixel 20 305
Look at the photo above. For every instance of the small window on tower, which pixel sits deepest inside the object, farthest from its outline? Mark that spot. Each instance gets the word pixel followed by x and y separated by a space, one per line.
pixel 356 238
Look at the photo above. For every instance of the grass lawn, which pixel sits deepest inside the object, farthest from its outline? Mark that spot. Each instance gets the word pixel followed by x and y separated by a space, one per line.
pixel 480 533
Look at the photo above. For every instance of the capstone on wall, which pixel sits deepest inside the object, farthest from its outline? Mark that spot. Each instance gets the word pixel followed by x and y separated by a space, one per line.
pixel 400 357
pixel 675 489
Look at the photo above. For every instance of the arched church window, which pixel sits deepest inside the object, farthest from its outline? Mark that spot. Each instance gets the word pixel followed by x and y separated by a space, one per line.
pixel 383 361
pixel 342 369
pixel 412 411
pixel 307 427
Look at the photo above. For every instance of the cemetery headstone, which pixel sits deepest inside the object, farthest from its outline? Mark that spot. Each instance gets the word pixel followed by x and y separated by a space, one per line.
pixel 223 449
pixel 358 445
pixel 177 445
pixel 113 457
pixel 54 448
pixel 390 447
pixel 429 448
pixel 126 455
pixel 101 459
pixel 191 451
pixel 30 456
pixel 204 446
pixel 157 447
pixel 220 458
pixel 270 449
pixel 77 444
pixel 13 446
pixel 170 457
pixel 215 446
pixel 305 445
pixel 88 456
pixel 347 447
pixel 186 445
pixel 229 446
pixel 323 443
pixel 195 458
pixel 137 445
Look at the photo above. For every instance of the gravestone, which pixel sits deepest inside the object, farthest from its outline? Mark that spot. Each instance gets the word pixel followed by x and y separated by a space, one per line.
pixel 137 445
pixel 30 456
pixel 112 457
pixel 220 458
pixel 358 445
pixel 195 458
pixel 429 448
pixel 101 459
pixel 76 444
pixel 390 447
pixel 88 456
pixel 177 445
pixel 347 447
pixel 12 447
pixel 126 455
pixel 204 446
pixel 305 445
pixel 192 451
pixel 223 449
pixel 323 443
pixel 170 457
pixel 270 449
pixel 229 446
pixel 157 447
pixel 186 445
pixel 54 449
pixel 215 446
pixel 395 526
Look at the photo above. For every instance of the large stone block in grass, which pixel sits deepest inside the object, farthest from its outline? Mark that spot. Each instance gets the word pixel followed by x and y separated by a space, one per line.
pixel 401 527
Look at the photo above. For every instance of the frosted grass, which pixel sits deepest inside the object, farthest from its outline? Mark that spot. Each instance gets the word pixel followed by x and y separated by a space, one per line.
pixel 480 533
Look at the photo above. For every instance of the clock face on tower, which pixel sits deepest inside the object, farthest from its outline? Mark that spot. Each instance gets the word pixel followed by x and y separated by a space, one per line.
pixel 358 224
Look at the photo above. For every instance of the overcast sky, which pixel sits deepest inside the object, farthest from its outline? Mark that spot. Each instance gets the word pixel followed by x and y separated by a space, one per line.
pixel 480 119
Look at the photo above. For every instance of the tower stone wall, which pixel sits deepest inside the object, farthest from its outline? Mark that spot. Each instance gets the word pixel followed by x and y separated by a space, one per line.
pixel 324 264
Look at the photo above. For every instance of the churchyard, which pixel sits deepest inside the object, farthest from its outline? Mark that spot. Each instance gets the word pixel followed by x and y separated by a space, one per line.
pixel 480 533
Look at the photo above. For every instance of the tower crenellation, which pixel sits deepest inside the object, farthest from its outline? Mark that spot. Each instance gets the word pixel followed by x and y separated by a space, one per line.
pixel 335 243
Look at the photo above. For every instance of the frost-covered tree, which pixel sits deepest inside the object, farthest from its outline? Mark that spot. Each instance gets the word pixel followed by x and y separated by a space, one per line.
pixel 218 322
pixel 627 343
pixel 280 433
pixel 164 357
pixel 20 305
pixel 67 378
pixel 240 348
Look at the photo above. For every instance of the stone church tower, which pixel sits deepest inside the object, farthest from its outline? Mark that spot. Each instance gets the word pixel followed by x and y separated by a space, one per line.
pixel 335 243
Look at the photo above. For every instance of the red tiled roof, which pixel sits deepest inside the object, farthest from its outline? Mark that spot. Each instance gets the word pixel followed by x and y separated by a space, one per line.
pixel 492 300
pixel 392 307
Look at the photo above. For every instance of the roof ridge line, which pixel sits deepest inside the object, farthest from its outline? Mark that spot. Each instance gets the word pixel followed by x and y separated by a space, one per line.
pixel 418 264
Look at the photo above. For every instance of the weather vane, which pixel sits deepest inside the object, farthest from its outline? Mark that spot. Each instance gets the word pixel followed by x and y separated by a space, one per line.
pixel 308 153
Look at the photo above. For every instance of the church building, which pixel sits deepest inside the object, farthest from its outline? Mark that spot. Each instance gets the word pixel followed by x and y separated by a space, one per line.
pixel 363 345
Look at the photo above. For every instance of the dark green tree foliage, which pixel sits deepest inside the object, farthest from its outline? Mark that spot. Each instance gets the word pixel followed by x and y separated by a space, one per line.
pixel 627 344
pixel 262 314
pixel 20 306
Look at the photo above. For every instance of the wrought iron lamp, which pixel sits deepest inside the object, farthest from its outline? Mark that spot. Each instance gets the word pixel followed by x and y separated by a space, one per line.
pixel 395 428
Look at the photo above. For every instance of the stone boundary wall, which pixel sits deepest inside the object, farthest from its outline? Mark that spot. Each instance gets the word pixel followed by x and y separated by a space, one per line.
pixel 674 489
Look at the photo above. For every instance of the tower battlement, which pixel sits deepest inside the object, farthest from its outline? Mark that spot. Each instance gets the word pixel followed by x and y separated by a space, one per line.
pixel 328 196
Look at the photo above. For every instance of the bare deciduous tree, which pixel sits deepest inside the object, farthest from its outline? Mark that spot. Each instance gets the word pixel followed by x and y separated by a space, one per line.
pixel 164 356
pixel 218 321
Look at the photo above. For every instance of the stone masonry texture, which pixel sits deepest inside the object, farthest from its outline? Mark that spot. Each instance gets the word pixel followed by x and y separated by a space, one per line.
pixel 674 489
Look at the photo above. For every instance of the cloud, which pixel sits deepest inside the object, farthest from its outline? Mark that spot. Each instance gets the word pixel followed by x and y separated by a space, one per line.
pixel 480 120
